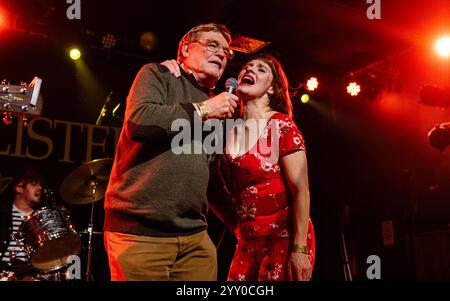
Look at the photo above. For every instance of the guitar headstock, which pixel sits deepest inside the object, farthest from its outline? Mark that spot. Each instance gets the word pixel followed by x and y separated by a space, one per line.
pixel 21 100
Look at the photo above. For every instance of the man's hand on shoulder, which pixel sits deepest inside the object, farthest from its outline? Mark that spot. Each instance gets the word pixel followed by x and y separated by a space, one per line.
pixel 173 67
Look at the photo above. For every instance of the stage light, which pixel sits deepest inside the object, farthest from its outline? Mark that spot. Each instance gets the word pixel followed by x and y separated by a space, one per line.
pixel 439 136
pixel 353 89
pixel 312 84
pixel 434 96
pixel 305 98
pixel 2 21
pixel 75 54
pixel 148 41
pixel 442 46
pixel 109 41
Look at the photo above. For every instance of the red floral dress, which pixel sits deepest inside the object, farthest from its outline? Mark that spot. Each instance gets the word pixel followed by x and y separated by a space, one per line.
pixel 262 204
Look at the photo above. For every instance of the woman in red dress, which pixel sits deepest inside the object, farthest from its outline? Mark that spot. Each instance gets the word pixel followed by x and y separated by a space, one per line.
pixel 266 168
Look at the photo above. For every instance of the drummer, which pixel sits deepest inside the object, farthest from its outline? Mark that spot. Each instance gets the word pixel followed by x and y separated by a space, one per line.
pixel 23 198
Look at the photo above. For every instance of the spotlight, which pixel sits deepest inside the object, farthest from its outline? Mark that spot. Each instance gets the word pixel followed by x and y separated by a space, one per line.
pixel 442 46
pixel 5 23
pixel 434 96
pixel 148 41
pixel 439 136
pixel 353 89
pixel 312 84
pixel 305 98
pixel 109 41
pixel 75 54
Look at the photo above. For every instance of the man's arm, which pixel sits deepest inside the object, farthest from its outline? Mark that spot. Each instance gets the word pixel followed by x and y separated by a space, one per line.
pixel 148 113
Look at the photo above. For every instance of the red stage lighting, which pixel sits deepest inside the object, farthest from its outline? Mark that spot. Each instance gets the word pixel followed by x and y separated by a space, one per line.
pixel 353 88
pixel 2 20
pixel 442 46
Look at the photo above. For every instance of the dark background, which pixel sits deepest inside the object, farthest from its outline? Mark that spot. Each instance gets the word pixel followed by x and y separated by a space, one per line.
pixel 368 154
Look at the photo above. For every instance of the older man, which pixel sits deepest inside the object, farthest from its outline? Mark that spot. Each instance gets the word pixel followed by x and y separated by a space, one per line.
pixel 156 204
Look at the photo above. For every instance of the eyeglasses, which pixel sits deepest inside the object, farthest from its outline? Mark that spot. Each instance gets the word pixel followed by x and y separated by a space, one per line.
pixel 214 48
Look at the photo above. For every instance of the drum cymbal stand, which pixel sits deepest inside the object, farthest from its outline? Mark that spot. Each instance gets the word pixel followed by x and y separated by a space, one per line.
pixel 93 183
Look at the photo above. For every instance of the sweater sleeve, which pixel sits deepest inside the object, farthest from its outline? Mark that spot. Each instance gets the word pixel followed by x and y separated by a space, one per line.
pixel 148 113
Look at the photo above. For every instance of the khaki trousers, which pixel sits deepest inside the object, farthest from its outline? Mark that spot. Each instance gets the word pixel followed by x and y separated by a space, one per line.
pixel 145 258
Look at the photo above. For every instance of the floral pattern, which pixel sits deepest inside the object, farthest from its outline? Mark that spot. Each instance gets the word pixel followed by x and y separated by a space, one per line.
pixel 247 213
pixel 262 203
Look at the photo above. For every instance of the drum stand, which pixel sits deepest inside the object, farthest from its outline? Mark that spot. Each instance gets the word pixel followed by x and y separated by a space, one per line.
pixel 93 184
pixel 86 185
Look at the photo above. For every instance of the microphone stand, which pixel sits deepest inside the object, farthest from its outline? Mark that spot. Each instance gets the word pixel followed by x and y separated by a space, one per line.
pixel 93 184
pixel 109 109
pixel 103 112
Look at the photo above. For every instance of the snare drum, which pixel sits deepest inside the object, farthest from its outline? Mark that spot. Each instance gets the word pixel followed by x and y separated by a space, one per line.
pixel 49 238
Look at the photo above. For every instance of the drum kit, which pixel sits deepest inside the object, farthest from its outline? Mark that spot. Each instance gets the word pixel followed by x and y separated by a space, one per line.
pixel 49 236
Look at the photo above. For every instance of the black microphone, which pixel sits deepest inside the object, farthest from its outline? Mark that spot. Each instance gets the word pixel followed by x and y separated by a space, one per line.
pixel 231 85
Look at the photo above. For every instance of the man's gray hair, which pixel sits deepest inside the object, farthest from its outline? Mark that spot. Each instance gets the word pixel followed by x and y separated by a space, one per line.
pixel 192 35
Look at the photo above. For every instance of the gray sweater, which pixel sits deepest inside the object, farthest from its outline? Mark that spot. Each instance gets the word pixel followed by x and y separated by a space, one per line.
pixel 151 190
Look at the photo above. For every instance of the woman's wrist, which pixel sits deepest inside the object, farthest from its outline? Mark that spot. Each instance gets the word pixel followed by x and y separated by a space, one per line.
pixel 302 249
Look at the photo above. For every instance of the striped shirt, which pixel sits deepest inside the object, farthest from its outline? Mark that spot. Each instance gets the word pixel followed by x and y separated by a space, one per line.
pixel 18 217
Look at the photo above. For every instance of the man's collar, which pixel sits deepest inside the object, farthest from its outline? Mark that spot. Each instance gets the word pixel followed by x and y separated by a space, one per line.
pixel 193 78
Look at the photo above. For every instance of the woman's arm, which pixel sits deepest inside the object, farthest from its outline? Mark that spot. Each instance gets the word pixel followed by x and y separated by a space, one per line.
pixel 294 166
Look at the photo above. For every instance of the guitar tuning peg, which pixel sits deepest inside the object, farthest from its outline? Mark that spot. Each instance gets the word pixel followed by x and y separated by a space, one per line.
pixel 4 82
pixel 23 84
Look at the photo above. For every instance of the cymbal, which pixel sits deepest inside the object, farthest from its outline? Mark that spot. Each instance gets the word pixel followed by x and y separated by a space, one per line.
pixel 77 187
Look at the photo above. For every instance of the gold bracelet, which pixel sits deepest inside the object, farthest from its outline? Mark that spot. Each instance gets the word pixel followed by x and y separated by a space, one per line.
pixel 203 110
pixel 300 249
